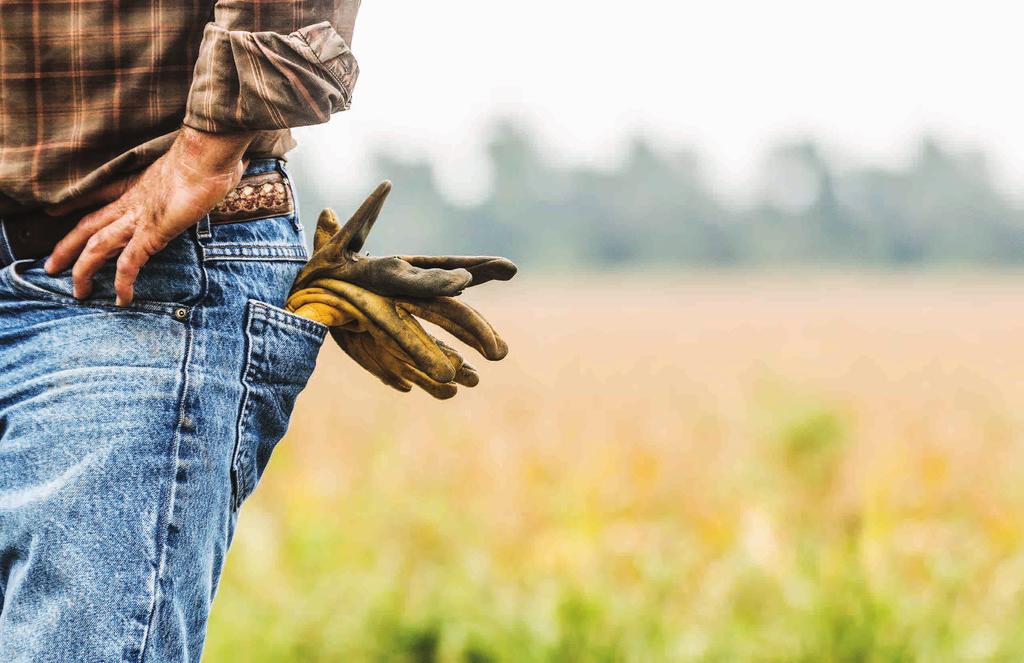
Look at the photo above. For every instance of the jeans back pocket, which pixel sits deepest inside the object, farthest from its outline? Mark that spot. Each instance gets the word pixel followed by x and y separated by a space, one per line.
pixel 281 353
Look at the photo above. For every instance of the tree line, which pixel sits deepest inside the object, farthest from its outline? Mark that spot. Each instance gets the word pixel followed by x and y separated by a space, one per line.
pixel 657 209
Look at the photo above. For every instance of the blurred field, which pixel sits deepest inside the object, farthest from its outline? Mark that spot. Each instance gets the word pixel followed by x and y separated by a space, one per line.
pixel 730 468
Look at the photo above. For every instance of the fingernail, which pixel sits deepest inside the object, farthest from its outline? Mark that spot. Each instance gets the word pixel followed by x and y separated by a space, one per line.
pixel 48 266
pixel 119 301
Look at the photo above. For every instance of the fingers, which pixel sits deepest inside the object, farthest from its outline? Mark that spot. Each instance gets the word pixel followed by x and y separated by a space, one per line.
pixel 481 268
pixel 96 239
pixel 141 247
pixel 71 245
pixel 102 246
pixel 461 321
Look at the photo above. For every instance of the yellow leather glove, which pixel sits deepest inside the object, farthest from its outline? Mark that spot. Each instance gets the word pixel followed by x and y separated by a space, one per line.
pixel 371 305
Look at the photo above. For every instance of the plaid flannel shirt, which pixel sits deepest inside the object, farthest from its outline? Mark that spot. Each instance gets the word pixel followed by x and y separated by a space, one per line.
pixel 94 89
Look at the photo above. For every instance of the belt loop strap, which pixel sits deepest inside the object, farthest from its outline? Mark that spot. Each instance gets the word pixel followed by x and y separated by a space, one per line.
pixel 6 255
pixel 282 167
pixel 203 228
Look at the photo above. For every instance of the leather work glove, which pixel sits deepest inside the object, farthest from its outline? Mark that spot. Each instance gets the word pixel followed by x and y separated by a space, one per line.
pixel 371 305
pixel 336 254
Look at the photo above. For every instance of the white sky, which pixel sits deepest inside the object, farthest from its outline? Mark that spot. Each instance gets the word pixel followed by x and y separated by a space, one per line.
pixel 728 77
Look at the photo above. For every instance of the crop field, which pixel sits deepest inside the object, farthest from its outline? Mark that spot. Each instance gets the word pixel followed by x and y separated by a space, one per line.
pixel 805 467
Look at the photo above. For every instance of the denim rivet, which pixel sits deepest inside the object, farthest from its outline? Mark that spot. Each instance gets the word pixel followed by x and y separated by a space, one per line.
pixel 181 313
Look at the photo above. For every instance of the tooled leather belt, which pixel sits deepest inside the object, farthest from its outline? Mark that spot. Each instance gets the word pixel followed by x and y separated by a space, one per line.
pixel 32 235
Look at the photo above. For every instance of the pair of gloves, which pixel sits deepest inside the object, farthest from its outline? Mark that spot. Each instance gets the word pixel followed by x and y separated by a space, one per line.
pixel 372 304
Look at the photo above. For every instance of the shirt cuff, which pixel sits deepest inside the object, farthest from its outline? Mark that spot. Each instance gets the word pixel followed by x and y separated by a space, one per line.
pixel 247 81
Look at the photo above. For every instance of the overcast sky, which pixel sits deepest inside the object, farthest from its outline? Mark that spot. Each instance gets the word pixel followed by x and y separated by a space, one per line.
pixel 728 77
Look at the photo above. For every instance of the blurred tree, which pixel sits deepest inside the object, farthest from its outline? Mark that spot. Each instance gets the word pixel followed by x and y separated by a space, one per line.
pixel 656 209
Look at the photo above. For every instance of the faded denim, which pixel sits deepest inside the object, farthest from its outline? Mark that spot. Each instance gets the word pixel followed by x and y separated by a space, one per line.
pixel 130 438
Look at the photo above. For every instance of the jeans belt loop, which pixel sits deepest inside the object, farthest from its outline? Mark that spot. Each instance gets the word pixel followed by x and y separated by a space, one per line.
pixel 203 228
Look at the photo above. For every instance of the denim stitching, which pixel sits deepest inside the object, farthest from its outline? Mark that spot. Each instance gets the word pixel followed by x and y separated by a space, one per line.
pixel 237 486
pixel 166 515
pixel 243 248
pixel 259 315
pixel 273 314
pixel 252 258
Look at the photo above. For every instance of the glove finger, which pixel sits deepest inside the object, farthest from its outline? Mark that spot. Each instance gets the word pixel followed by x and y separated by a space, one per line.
pixel 465 373
pixel 461 321
pixel 356 346
pixel 330 309
pixel 327 226
pixel 393 361
pixel 393 370
pixel 326 255
pixel 453 355
pixel 467 376
pixel 482 268
pixel 393 277
pixel 388 322
pixel 353 234
pixel 322 313
pixel 331 255
pixel 439 390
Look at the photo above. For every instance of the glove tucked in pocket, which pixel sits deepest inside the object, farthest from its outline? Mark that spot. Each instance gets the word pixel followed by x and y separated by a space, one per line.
pixel 282 350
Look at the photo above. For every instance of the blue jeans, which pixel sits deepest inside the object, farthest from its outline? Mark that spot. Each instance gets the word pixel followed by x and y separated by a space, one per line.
pixel 129 438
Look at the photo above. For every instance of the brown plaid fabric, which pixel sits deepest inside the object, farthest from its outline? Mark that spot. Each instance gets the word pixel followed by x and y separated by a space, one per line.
pixel 93 89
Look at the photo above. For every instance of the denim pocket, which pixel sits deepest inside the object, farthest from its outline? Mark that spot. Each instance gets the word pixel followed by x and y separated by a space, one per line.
pixel 281 353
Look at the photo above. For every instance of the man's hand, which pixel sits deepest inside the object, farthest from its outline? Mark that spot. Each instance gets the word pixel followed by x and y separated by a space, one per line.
pixel 145 212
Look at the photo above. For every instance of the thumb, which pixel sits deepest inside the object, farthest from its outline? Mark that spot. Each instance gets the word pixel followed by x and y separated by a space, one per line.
pixel 101 196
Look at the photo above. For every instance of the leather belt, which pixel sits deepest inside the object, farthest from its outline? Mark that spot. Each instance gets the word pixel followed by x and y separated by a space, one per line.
pixel 32 235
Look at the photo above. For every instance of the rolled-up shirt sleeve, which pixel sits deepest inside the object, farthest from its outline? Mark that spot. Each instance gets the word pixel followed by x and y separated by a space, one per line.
pixel 286 76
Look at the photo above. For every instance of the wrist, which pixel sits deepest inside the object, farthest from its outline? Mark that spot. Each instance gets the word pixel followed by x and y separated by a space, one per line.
pixel 211 153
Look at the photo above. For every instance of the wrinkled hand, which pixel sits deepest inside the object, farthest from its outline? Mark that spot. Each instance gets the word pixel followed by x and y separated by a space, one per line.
pixel 145 212
pixel 371 305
